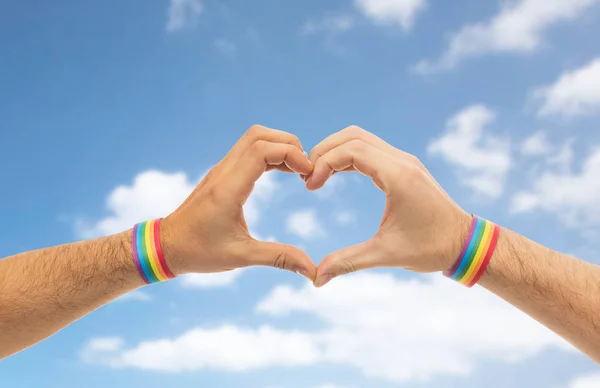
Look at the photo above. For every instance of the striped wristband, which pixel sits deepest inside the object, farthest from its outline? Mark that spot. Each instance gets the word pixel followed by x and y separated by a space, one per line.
pixel 147 253
pixel 476 253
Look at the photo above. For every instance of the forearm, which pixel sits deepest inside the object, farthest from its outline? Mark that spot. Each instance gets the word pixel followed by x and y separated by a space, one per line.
pixel 559 291
pixel 45 290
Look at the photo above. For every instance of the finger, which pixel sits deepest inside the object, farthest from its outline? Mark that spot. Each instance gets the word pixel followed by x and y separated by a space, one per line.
pixel 354 132
pixel 280 167
pixel 258 157
pixel 356 155
pixel 347 260
pixel 282 256
pixel 259 132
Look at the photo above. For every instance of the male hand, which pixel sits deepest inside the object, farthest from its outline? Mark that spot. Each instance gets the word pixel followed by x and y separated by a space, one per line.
pixel 422 229
pixel 208 232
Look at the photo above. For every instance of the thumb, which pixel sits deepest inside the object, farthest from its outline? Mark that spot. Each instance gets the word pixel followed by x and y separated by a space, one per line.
pixel 347 260
pixel 282 256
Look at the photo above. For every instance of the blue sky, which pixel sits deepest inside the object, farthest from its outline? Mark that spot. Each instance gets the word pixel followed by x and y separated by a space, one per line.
pixel 500 99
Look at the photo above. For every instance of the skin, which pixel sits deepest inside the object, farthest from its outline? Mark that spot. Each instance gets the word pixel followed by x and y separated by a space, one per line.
pixel 43 291
pixel 423 230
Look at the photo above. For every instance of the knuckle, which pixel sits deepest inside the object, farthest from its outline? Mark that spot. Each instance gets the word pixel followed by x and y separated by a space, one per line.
pixel 411 172
pixel 214 194
pixel 356 145
pixel 413 159
pixel 294 139
pixel 354 130
pixel 258 146
pixel 280 260
pixel 347 267
pixel 314 153
pixel 255 130
pixel 416 162
pixel 290 148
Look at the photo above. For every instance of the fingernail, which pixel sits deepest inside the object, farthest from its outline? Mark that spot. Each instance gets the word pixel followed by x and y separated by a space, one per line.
pixel 323 279
pixel 303 272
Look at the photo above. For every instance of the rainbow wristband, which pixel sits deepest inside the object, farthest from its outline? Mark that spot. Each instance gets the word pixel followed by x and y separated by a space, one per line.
pixel 476 253
pixel 147 253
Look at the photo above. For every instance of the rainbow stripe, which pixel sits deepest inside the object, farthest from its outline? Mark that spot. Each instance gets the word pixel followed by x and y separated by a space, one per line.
pixel 476 253
pixel 148 255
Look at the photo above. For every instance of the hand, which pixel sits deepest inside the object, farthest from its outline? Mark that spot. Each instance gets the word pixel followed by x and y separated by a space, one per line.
pixel 208 232
pixel 422 229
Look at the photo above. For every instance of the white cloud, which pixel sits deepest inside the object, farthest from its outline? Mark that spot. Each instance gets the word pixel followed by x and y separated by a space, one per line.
pixel 590 381
pixel 536 145
pixel 155 194
pixel 305 224
pixel 100 350
pixel 226 348
pixel 482 160
pixel 518 27
pixel 225 46
pixel 137 296
pixel 345 217
pixel 106 344
pixel 211 280
pixel 573 196
pixel 575 93
pixel 182 14
pixel 524 202
pixel 422 323
pixel 331 24
pixel 393 12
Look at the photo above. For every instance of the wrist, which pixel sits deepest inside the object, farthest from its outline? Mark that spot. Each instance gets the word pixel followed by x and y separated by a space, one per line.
pixel 122 245
pixel 476 252
pixel 459 231
pixel 147 252
pixel 172 249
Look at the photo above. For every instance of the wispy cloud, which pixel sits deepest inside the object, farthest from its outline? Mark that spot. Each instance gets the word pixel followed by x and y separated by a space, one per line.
pixel 392 12
pixel 331 24
pixel 481 159
pixel 573 197
pixel 305 224
pixel 182 14
pixel 344 217
pixel 518 27
pixel 225 46
pixel 575 93
pixel 536 144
